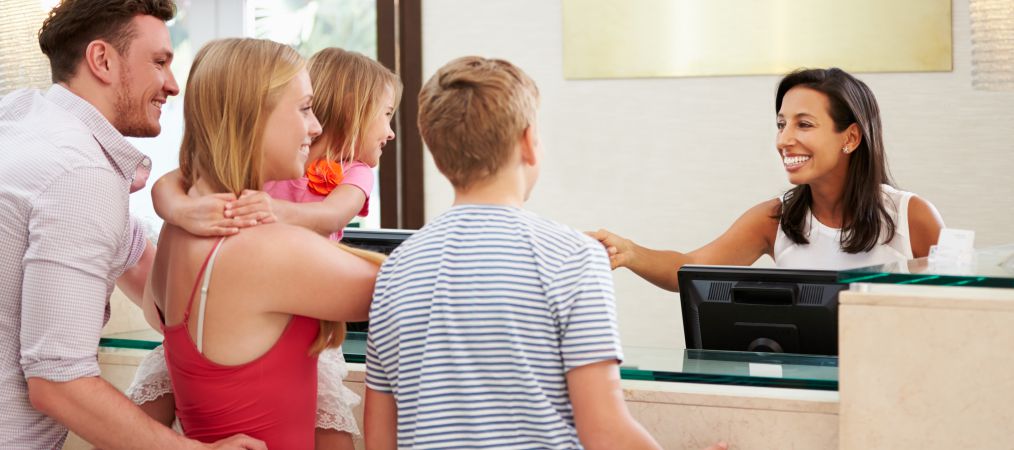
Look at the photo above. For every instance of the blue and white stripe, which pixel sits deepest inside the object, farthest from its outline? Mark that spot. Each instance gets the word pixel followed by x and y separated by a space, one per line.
pixel 475 321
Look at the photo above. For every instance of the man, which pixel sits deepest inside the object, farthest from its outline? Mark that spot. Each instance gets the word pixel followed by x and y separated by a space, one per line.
pixel 66 236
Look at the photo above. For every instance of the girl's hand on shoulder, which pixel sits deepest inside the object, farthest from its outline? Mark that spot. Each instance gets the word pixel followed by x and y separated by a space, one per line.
pixel 252 208
pixel 206 216
pixel 619 249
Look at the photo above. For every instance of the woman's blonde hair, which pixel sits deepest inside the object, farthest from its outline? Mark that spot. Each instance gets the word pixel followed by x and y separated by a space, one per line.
pixel 332 334
pixel 233 86
pixel 348 88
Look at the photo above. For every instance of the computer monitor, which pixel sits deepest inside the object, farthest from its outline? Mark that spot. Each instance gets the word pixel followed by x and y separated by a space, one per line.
pixel 380 241
pixel 760 310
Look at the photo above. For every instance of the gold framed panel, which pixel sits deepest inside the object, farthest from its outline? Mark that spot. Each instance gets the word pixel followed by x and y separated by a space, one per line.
pixel 691 38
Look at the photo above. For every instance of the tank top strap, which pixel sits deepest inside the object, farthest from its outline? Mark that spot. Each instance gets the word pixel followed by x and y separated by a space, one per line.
pixel 205 275
pixel 903 200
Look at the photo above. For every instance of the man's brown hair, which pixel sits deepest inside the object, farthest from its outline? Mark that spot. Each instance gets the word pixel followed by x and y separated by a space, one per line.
pixel 73 24
pixel 471 114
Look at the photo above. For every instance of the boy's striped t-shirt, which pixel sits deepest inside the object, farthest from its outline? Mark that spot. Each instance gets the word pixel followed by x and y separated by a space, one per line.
pixel 476 320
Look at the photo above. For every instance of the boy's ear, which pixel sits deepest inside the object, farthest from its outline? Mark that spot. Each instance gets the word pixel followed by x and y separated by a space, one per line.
pixel 529 146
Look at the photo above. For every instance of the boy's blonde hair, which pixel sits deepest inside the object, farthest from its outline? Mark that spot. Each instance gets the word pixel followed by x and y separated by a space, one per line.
pixel 347 90
pixel 233 86
pixel 472 113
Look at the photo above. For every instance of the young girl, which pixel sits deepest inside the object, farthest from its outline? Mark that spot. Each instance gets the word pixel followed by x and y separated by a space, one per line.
pixel 354 99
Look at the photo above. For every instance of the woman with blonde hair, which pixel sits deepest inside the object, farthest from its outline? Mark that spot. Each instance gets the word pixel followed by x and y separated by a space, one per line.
pixel 354 99
pixel 241 346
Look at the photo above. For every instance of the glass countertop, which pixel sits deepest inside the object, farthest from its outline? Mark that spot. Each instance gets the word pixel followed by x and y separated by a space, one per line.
pixel 641 363
pixel 989 267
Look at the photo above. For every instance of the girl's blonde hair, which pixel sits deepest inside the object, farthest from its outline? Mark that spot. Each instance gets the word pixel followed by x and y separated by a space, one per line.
pixel 233 86
pixel 348 88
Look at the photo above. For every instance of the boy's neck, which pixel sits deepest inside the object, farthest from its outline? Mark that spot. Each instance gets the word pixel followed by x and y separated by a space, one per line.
pixel 500 189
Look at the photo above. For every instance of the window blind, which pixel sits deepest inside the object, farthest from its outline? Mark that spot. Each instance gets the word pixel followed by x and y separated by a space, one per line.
pixel 22 64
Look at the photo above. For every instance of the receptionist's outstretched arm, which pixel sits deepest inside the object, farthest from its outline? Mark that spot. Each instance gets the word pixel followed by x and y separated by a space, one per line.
pixel 749 237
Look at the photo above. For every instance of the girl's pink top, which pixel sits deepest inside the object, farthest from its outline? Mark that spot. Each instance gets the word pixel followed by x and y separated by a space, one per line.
pixel 355 173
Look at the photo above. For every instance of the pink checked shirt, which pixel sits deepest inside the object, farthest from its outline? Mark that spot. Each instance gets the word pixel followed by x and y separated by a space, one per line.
pixel 65 237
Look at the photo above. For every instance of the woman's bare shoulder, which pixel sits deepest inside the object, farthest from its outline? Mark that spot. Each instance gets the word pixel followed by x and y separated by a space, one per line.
pixel 768 208
pixel 274 243
pixel 764 215
pixel 924 224
pixel 763 221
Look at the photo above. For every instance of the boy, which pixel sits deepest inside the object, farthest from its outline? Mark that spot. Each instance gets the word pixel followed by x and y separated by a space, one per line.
pixel 492 327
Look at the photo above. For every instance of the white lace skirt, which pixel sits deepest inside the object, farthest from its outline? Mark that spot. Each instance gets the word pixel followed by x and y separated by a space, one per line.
pixel 334 400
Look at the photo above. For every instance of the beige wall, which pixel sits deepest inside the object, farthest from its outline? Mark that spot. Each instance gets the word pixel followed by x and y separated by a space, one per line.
pixel 672 162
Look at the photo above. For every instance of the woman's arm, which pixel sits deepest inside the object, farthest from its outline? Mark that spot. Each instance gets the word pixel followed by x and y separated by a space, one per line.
pixel 656 266
pixel 924 225
pixel 749 237
pixel 321 280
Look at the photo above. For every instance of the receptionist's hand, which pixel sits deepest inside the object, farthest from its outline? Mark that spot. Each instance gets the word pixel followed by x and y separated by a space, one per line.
pixel 620 249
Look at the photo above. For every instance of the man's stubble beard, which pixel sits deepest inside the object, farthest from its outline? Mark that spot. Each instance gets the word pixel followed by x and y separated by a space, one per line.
pixel 131 117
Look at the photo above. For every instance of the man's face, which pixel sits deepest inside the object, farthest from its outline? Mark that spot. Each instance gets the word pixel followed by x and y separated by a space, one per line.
pixel 145 79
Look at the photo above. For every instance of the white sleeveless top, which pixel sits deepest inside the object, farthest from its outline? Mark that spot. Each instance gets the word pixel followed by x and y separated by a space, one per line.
pixel 824 250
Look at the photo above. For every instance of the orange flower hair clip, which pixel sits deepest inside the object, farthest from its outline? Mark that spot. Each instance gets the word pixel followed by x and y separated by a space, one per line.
pixel 323 176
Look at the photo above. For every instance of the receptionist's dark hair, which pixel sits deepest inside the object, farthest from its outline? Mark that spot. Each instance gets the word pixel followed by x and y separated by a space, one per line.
pixel 865 218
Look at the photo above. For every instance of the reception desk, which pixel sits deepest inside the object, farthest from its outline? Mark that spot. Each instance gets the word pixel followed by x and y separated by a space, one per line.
pixel 924 363
pixel 925 354
pixel 685 398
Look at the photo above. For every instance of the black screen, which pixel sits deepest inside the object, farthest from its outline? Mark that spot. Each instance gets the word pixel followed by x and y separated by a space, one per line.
pixel 760 310
pixel 380 241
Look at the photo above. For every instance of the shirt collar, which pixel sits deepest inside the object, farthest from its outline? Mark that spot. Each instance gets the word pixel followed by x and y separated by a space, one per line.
pixel 133 165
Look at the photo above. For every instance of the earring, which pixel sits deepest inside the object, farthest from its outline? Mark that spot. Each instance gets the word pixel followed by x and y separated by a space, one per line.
pixel 845 150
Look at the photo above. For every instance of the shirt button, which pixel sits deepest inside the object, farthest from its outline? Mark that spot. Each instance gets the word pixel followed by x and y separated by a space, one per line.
pixel 146 163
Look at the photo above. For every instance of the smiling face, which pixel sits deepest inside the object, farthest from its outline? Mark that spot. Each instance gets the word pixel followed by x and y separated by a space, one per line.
pixel 378 131
pixel 809 143
pixel 145 81
pixel 288 130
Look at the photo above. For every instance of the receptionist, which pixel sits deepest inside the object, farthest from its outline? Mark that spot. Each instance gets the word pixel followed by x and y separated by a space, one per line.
pixel 844 210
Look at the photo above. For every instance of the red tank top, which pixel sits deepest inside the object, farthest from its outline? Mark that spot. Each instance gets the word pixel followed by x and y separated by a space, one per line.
pixel 272 398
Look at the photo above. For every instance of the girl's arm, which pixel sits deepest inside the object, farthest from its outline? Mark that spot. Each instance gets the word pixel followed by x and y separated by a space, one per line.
pixel 749 237
pixel 348 199
pixel 201 216
pixel 324 217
